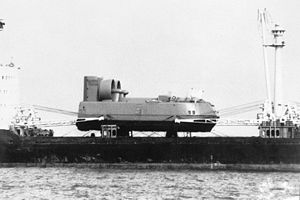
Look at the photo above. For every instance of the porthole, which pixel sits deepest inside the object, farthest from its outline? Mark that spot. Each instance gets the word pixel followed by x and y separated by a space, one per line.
pixel 272 133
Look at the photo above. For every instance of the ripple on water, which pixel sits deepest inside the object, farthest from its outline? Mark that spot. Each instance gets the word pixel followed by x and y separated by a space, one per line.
pixel 85 183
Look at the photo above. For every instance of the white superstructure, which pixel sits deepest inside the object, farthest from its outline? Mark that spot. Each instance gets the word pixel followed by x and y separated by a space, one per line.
pixel 274 108
pixel 278 119
pixel 9 93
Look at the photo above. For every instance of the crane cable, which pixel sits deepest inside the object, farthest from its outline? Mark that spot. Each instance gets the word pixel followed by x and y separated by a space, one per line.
pixel 55 110
pixel 240 108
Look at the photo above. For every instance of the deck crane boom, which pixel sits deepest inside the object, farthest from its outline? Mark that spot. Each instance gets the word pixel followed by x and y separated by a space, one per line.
pixel 282 120
pixel 55 110
pixel 26 115
pixel 263 20
pixel 272 108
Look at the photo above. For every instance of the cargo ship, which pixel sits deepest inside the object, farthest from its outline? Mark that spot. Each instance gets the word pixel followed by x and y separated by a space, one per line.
pixel 107 110
pixel 276 149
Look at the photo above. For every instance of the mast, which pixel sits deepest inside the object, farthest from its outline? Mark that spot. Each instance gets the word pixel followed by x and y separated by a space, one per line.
pixel 282 120
pixel 278 45
pixel 273 106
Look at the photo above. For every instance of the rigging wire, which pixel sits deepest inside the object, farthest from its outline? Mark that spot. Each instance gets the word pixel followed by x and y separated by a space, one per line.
pixel 234 110
pixel 242 105
pixel 55 110
pixel 219 133
pixel 216 134
pixel 70 131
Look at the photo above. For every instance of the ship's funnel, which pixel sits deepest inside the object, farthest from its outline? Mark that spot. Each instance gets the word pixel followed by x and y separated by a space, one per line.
pixel 116 91
pixel 97 89
pixel 109 90
pixel 105 89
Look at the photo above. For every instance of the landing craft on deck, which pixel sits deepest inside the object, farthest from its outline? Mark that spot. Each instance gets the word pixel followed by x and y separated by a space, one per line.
pixel 105 105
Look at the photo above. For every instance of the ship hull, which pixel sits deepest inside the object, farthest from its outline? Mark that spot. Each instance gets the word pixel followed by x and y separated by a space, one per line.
pixel 197 150
pixel 147 125
pixel 142 115
pixel 9 143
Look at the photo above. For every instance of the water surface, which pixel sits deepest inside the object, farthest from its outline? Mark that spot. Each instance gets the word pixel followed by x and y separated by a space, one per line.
pixel 88 183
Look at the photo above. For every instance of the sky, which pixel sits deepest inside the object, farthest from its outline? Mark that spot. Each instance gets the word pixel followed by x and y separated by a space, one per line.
pixel 152 47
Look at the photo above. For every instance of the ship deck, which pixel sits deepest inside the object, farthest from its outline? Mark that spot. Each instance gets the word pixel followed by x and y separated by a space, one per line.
pixel 159 140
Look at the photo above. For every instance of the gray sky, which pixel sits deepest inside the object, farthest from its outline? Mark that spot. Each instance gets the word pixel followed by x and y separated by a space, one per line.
pixel 153 47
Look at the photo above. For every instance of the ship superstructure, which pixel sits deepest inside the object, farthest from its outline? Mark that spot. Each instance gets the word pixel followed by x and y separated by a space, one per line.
pixel 277 119
pixel 9 93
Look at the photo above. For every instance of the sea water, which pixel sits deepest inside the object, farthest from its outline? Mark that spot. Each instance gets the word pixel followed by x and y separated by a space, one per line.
pixel 89 183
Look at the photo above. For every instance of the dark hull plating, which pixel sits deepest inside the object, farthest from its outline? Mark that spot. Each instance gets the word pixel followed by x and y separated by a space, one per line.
pixel 229 150
pixel 148 126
